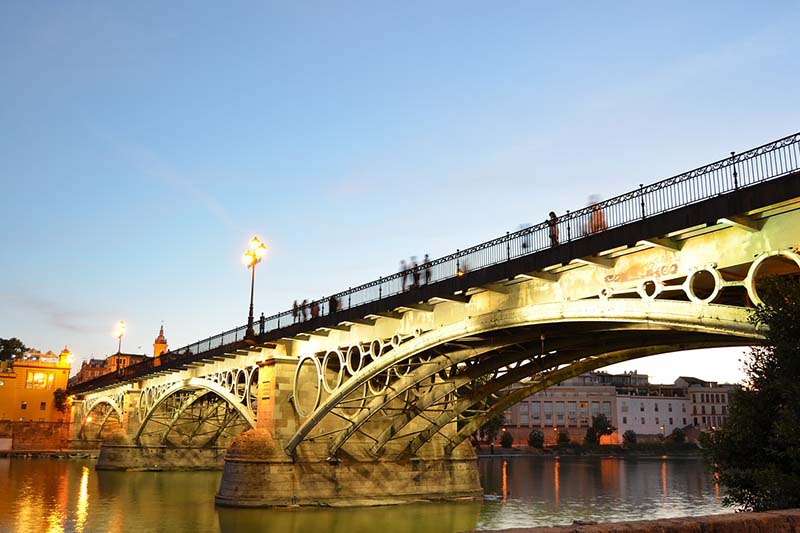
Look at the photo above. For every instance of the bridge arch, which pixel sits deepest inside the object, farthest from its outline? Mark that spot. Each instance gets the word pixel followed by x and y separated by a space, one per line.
pixel 102 417
pixel 520 342
pixel 194 412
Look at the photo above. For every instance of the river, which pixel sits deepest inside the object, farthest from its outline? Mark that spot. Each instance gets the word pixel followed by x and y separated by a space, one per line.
pixel 48 495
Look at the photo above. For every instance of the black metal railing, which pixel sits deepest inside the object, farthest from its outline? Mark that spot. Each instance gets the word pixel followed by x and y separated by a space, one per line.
pixel 760 164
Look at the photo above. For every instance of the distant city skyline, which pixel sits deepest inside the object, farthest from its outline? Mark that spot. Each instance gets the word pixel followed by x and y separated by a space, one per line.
pixel 144 145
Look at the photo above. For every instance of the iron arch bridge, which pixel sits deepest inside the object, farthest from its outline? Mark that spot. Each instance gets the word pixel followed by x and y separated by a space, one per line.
pixel 394 397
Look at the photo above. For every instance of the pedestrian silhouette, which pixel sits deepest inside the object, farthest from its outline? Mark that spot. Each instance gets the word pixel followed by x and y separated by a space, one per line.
pixel 403 274
pixel 294 312
pixel 414 272
pixel 552 224
pixel 427 263
pixel 304 309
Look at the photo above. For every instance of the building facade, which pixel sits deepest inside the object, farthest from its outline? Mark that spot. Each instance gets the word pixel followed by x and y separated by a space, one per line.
pixel 94 368
pixel 28 385
pixel 628 400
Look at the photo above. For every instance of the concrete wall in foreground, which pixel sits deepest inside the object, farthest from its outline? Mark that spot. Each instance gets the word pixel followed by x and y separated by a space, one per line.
pixel 771 522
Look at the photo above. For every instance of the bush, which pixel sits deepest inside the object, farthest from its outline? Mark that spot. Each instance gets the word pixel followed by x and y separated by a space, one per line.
pixel 506 440
pixel 536 439
pixel 563 437
pixel 629 438
pixel 678 436
pixel 600 426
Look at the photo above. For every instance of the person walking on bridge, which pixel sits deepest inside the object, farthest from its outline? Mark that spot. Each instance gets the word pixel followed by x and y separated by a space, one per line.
pixel 552 224
pixel 403 274
pixel 295 312
pixel 304 310
pixel 427 263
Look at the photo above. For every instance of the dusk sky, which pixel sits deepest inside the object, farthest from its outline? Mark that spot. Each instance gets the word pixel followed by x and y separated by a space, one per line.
pixel 143 143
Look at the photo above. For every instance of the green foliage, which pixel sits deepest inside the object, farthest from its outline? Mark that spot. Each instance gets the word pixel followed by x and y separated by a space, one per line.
pixel 506 439
pixel 11 347
pixel 492 427
pixel 756 454
pixel 563 437
pixel 629 438
pixel 60 400
pixel 600 426
pixel 536 439
pixel 678 435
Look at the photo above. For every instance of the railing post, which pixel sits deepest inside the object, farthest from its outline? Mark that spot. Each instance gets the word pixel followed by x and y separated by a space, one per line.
pixel 735 174
pixel 349 297
pixel 458 266
pixel 569 227
pixel 380 287
pixel 508 247
pixel 641 192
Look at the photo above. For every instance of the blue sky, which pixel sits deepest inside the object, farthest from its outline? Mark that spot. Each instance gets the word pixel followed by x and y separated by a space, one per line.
pixel 142 144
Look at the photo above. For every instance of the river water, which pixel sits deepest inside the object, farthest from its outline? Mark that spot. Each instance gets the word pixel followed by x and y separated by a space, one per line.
pixel 44 495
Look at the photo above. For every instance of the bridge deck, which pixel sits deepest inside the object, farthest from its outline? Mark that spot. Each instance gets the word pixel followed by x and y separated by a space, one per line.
pixel 761 177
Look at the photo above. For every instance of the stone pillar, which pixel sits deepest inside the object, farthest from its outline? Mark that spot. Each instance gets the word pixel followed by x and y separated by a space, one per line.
pixel 130 412
pixel 76 421
pixel 275 413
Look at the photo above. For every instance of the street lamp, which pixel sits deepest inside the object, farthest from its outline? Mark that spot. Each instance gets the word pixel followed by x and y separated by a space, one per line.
pixel 256 250
pixel 119 331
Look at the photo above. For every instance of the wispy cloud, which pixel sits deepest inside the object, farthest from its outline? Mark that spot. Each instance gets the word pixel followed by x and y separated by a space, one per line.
pixel 152 165
pixel 52 314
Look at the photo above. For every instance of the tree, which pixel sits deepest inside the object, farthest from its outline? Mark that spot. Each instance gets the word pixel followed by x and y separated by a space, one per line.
pixel 678 435
pixel 60 400
pixel 756 454
pixel 12 347
pixel 536 439
pixel 506 439
pixel 563 437
pixel 492 427
pixel 600 426
pixel 629 438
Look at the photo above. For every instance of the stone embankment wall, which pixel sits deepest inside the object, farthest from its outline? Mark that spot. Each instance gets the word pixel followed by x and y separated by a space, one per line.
pixel 770 522
pixel 34 436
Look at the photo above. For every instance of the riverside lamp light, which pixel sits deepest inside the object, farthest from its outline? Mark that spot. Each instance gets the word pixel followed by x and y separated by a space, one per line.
pixel 256 250
pixel 119 331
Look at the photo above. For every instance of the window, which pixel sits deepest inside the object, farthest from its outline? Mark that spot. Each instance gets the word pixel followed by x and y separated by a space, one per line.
pixel 607 410
pixel 724 398
pixel 624 407
pixel 683 408
pixel 523 415
pixel 595 409
pixel 694 398
pixel 42 406
pixel 670 421
pixel 24 406
pixel 642 420
pixel 713 409
pixel 560 413
pixel 572 413
pixel 669 407
pixel 695 421
pixel 548 413
pixel 641 406
pixel 536 409
pixel 624 419
pixel 684 421
pixel 716 398
pixel 39 380
pixel 655 408
pixel 704 420
pixel 724 409
pixel 658 420
pixel 703 409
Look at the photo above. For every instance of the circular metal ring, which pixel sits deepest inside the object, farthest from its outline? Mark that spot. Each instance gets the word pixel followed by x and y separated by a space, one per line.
pixel 339 372
pixel 649 288
pixel 688 285
pixel 354 352
pixel 750 280
pixel 295 391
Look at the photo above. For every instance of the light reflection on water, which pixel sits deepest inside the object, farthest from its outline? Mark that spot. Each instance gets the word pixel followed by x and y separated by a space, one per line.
pixel 39 495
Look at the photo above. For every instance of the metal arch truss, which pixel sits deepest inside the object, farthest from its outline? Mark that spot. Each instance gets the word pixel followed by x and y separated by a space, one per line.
pixel 198 412
pixel 459 374
pixel 102 417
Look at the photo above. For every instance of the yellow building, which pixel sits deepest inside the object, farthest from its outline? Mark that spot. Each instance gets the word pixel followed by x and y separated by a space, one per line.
pixel 27 386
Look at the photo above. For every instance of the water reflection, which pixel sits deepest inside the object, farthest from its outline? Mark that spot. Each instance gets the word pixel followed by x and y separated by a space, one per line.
pixel 69 496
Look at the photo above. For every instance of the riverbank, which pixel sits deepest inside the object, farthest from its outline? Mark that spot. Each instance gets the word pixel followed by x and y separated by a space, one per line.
pixel 50 454
pixel 682 450
pixel 787 521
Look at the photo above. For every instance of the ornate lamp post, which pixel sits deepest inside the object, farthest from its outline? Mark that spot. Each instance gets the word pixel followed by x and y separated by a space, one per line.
pixel 119 331
pixel 256 250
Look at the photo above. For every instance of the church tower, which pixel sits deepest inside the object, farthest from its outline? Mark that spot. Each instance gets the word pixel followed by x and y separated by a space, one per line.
pixel 160 344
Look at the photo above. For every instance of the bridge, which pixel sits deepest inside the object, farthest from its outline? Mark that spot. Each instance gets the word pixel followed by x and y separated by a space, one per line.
pixel 376 398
